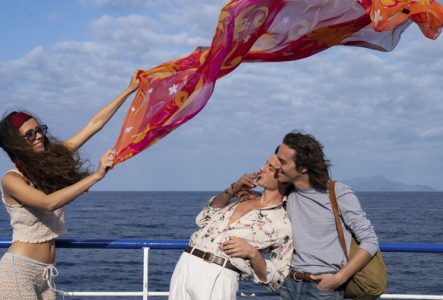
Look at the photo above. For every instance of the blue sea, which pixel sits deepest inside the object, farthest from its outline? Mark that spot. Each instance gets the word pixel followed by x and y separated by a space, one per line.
pixel 397 217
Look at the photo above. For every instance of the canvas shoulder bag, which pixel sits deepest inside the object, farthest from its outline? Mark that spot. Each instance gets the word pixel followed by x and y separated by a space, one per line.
pixel 369 282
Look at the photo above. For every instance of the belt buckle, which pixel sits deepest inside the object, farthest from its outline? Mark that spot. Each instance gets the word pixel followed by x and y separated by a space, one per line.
pixel 207 259
pixel 293 274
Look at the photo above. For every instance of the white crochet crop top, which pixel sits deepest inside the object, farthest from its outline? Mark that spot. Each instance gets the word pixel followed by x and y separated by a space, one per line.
pixel 34 225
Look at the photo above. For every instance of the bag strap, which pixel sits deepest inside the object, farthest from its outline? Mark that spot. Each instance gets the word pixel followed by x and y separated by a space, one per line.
pixel 335 210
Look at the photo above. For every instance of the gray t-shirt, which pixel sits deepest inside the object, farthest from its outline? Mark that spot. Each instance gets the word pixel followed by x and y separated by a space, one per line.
pixel 316 244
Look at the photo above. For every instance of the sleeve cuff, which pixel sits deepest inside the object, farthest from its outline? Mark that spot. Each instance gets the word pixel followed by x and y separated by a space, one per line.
pixel 206 213
pixel 370 247
pixel 270 274
pixel 209 207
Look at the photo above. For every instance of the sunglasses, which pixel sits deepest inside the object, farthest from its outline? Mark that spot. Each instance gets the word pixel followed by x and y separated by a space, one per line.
pixel 31 134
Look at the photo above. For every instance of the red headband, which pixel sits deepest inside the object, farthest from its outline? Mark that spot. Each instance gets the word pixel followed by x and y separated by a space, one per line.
pixel 18 118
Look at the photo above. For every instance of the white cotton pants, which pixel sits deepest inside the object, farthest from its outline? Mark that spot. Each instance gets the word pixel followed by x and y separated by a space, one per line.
pixel 196 279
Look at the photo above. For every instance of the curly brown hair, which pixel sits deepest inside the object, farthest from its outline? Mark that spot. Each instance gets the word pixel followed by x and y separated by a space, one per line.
pixel 309 155
pixel 51 170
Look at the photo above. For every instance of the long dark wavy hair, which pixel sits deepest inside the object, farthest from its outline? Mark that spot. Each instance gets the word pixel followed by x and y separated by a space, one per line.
pixel 309 155
pixel 50 170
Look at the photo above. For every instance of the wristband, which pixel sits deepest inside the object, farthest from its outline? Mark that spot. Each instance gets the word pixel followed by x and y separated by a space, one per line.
pixel 233 189
pixel 230 191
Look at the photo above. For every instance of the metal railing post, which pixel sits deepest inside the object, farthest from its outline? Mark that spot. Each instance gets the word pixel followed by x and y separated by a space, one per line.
pixel 145 272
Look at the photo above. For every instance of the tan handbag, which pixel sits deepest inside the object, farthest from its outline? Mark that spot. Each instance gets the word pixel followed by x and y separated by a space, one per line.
pixel 369 282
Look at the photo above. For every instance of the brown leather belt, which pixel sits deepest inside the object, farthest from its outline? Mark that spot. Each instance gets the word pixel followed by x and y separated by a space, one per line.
pixel 211 258
pixel 306 277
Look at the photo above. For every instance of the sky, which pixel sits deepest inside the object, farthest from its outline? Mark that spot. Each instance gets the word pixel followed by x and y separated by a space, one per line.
pixel 375 113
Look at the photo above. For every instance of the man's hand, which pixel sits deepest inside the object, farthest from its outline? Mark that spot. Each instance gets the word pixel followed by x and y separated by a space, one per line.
pixel 328 282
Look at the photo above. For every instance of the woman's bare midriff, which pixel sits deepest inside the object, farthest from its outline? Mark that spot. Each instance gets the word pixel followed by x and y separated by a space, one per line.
pixel 42 252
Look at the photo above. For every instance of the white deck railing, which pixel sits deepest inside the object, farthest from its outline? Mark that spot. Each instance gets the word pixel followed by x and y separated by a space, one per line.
pixel 146 245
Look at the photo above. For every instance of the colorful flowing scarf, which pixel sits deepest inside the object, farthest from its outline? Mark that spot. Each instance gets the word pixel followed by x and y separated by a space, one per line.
pixel 263 31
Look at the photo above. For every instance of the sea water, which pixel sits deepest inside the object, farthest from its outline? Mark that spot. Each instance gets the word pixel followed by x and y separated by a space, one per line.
pixel 397 217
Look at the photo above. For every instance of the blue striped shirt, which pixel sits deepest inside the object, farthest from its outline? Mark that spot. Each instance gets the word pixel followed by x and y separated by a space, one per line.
pixel 316 245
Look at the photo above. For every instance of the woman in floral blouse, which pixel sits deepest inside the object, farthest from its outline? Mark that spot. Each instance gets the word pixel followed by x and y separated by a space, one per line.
pixel 232 239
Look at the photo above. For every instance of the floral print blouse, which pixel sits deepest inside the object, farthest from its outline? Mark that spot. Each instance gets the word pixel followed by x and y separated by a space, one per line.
pixel 268 229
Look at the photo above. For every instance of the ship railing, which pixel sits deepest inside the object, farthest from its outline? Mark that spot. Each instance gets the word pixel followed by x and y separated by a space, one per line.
pixel 146 245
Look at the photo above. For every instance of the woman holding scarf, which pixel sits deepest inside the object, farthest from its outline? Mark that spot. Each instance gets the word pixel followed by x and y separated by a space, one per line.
pixel 49 174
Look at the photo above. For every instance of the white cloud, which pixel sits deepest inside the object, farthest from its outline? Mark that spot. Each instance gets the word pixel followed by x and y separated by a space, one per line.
pixel 436 132
pixel 200 18
pixel 51 18
pixel 110 3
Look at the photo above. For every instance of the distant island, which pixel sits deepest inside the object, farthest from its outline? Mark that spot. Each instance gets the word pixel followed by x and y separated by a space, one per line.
pixel 382 184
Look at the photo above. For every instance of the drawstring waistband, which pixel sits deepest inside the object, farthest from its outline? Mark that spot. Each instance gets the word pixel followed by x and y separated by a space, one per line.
pixel 49 273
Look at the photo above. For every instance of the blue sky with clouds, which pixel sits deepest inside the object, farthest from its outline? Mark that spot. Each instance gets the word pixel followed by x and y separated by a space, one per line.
pixel 376 113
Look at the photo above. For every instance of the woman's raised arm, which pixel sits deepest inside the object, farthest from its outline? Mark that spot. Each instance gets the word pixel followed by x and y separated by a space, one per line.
pixel 102 117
